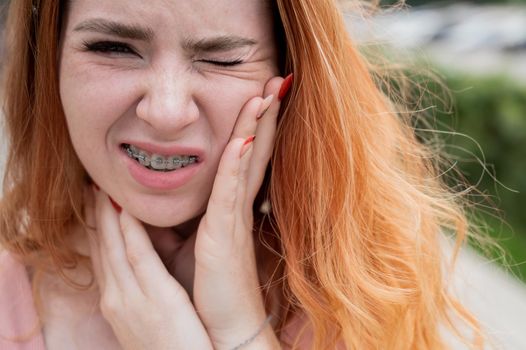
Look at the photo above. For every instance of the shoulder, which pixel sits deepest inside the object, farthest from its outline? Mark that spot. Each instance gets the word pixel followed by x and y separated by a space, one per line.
pixel 15 289
pixel 9 266
pixel 18 318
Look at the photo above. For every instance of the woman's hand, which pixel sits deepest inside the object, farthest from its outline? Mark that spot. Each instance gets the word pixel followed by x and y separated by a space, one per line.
pixel 226 289
pixel 216 264
pixel 145 306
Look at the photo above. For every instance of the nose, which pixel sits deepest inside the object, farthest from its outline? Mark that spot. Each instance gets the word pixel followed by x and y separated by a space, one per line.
pixel 167 103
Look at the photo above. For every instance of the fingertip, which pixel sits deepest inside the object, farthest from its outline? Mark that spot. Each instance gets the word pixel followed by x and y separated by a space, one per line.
pixel 286 86
pixel 273 86
pixel 247 145
pixel 265 105
pixel 124 219
pixel 115 205
pixel 128 221
pixel 235 145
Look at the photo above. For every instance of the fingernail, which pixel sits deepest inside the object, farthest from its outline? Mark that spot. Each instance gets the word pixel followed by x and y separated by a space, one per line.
pixel 285 86
pixel 265 105
pixel 117 207
pixel 246 145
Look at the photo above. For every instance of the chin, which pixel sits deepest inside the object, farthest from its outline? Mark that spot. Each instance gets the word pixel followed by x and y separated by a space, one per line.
pixel 163 221
pixel 166 219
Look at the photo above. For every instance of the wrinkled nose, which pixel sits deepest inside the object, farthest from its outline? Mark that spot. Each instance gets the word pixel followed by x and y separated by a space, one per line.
pixel 167 104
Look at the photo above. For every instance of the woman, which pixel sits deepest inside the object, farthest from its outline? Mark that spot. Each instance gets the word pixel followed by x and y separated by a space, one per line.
pixel 143 211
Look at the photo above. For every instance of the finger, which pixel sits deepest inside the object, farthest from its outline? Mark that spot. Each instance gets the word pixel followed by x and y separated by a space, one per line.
pixel 112 249
pixel 108 279
pixel 246 122
pixel 264 142
pixel 89 217
pixel 243 204
pixel 151 274
pixel 222 203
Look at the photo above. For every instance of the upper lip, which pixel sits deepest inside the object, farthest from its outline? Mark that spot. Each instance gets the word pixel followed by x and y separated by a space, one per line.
pixel 167 150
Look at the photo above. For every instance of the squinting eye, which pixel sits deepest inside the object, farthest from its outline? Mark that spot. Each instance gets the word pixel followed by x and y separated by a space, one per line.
pixel 110 47
pixel 223 63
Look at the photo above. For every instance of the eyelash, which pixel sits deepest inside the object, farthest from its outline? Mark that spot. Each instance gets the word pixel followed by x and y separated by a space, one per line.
pixel 113 47
pixel 109 47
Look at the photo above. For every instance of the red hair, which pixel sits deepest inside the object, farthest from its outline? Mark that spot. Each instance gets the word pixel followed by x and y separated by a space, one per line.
pixel 358 209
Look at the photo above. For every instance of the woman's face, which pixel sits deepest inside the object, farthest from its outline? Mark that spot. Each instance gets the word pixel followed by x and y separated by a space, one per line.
pixel 160 82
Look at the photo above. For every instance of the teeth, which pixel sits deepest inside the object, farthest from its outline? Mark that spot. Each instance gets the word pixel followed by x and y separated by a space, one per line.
pixel 170 164
pixel 177 161
pixel 144 159
pixel 157 161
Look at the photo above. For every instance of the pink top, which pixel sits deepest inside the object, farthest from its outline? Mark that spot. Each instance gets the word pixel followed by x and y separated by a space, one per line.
pixel 18 317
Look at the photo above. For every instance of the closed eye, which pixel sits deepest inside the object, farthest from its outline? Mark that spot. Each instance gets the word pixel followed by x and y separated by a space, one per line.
pixel 115 48
pixel 112 48
pixel 223 63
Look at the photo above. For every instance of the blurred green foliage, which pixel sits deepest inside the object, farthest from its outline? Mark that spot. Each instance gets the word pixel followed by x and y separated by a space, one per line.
pixel 491 113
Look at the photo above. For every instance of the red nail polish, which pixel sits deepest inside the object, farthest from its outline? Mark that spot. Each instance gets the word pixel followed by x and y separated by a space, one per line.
pixel 117 207
pixel 249 140
pixel 285 86
pixel 246 145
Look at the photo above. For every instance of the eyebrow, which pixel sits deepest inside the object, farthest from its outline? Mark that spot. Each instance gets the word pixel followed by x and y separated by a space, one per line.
pixel 219 43
pixel 122 30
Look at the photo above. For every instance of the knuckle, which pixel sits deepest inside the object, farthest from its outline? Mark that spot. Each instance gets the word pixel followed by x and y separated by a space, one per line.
pixel 135 255
pixel 109 305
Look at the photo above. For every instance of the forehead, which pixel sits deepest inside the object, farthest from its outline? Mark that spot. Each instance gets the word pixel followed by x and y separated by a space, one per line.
pixel 201 17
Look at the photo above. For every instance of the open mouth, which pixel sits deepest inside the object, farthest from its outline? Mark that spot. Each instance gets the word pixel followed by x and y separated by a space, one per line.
pixel 158 162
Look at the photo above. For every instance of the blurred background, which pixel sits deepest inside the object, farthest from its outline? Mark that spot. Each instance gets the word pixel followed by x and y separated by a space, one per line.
pixel 478 50
pixel 470 57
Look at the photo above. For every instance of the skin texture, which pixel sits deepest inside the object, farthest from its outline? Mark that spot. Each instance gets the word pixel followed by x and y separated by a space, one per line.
pixel 164 94
pixel 175 268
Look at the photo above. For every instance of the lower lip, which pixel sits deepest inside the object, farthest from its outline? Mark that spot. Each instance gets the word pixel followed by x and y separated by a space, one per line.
pixel 157 179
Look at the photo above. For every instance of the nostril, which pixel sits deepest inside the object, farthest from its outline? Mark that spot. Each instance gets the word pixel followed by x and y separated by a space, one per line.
pixel 166 112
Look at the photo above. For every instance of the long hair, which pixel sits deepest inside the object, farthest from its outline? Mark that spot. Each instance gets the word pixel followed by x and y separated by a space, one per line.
pixel 357 205
pixel 42 193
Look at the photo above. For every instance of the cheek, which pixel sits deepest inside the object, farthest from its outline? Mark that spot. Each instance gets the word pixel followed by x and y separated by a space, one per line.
pixel 224 100
pixel 84 128
pixel 91 92
pixel 91 102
